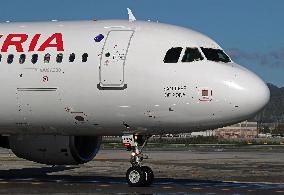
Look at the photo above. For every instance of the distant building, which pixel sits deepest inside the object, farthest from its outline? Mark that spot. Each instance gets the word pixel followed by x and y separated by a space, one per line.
pixel 241 130
pixel 270 126
pixel 207 133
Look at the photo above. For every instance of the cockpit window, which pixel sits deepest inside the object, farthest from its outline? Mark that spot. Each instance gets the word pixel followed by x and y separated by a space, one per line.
pixel 173 55
pixel 216 55
pixel 191 55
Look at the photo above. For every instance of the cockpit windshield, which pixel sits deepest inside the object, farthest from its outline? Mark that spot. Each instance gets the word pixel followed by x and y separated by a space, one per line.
pixel 216 55
pixel 191 55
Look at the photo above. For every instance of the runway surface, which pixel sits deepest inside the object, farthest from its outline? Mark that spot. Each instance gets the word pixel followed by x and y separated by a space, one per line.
pixel 251 170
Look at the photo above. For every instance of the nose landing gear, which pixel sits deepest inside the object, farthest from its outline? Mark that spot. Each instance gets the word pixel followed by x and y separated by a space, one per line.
pixel 137 175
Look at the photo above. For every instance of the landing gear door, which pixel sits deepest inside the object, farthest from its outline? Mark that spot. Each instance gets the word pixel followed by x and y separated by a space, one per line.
pixel 113 60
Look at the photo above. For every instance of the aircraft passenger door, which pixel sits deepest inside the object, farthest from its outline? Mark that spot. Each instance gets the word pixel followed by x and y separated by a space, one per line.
pixel 113 60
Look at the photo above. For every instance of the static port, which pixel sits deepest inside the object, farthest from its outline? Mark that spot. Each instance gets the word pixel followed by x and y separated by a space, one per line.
pixel 79 118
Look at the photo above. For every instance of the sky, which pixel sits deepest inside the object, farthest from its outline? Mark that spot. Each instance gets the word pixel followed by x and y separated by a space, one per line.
pixel 250 31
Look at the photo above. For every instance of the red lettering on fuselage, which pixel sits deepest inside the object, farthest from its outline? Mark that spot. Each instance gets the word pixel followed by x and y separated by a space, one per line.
pixel 10 41
pixel 58 42
pixel 34 42
pixel 18 40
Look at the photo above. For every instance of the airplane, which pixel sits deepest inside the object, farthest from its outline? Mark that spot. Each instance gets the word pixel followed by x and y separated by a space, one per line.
pixel 64 85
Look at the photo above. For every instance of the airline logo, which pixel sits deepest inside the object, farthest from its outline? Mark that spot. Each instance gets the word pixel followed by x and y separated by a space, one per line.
pixel 18 40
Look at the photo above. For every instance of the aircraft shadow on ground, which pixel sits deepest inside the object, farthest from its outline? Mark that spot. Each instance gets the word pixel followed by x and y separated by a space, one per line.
pixel 42 174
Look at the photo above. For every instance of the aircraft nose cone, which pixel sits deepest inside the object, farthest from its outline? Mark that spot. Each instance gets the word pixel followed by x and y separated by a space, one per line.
pixel 255 93
pixel 260 94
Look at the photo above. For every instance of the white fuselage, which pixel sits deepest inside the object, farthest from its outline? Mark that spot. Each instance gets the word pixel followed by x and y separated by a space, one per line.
pixel 124 82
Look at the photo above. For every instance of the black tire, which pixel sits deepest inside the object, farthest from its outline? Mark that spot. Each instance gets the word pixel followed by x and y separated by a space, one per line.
pixel 136 177
pixel 149 175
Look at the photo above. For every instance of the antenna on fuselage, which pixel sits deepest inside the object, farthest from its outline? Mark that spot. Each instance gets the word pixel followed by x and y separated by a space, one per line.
pixel 130 15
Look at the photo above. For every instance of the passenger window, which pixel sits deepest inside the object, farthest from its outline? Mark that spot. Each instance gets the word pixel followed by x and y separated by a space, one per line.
pixel 10 59
pixel 191 55
pixel 22 58
pixel 85 57
pixel 173 55
pixel 34 58
pixel 72 57
pixel 47 58
pixel 59 58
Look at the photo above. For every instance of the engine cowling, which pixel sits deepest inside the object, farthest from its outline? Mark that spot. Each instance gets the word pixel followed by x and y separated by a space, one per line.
pixel 4 142
pixel 55 150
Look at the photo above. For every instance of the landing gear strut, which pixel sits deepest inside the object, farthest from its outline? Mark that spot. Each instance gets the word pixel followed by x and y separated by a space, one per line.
pixel 137 175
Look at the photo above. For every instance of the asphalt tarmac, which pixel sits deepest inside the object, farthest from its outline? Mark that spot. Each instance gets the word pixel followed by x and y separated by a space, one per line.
pixel 216 170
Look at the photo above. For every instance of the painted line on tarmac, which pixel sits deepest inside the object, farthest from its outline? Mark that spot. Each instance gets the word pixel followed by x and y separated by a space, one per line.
pixel 252 182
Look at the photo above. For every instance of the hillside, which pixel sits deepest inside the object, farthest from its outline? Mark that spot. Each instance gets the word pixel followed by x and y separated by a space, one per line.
pixel 274 111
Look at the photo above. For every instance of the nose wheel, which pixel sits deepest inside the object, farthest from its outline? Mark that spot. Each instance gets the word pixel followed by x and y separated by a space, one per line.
pixel 137 175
